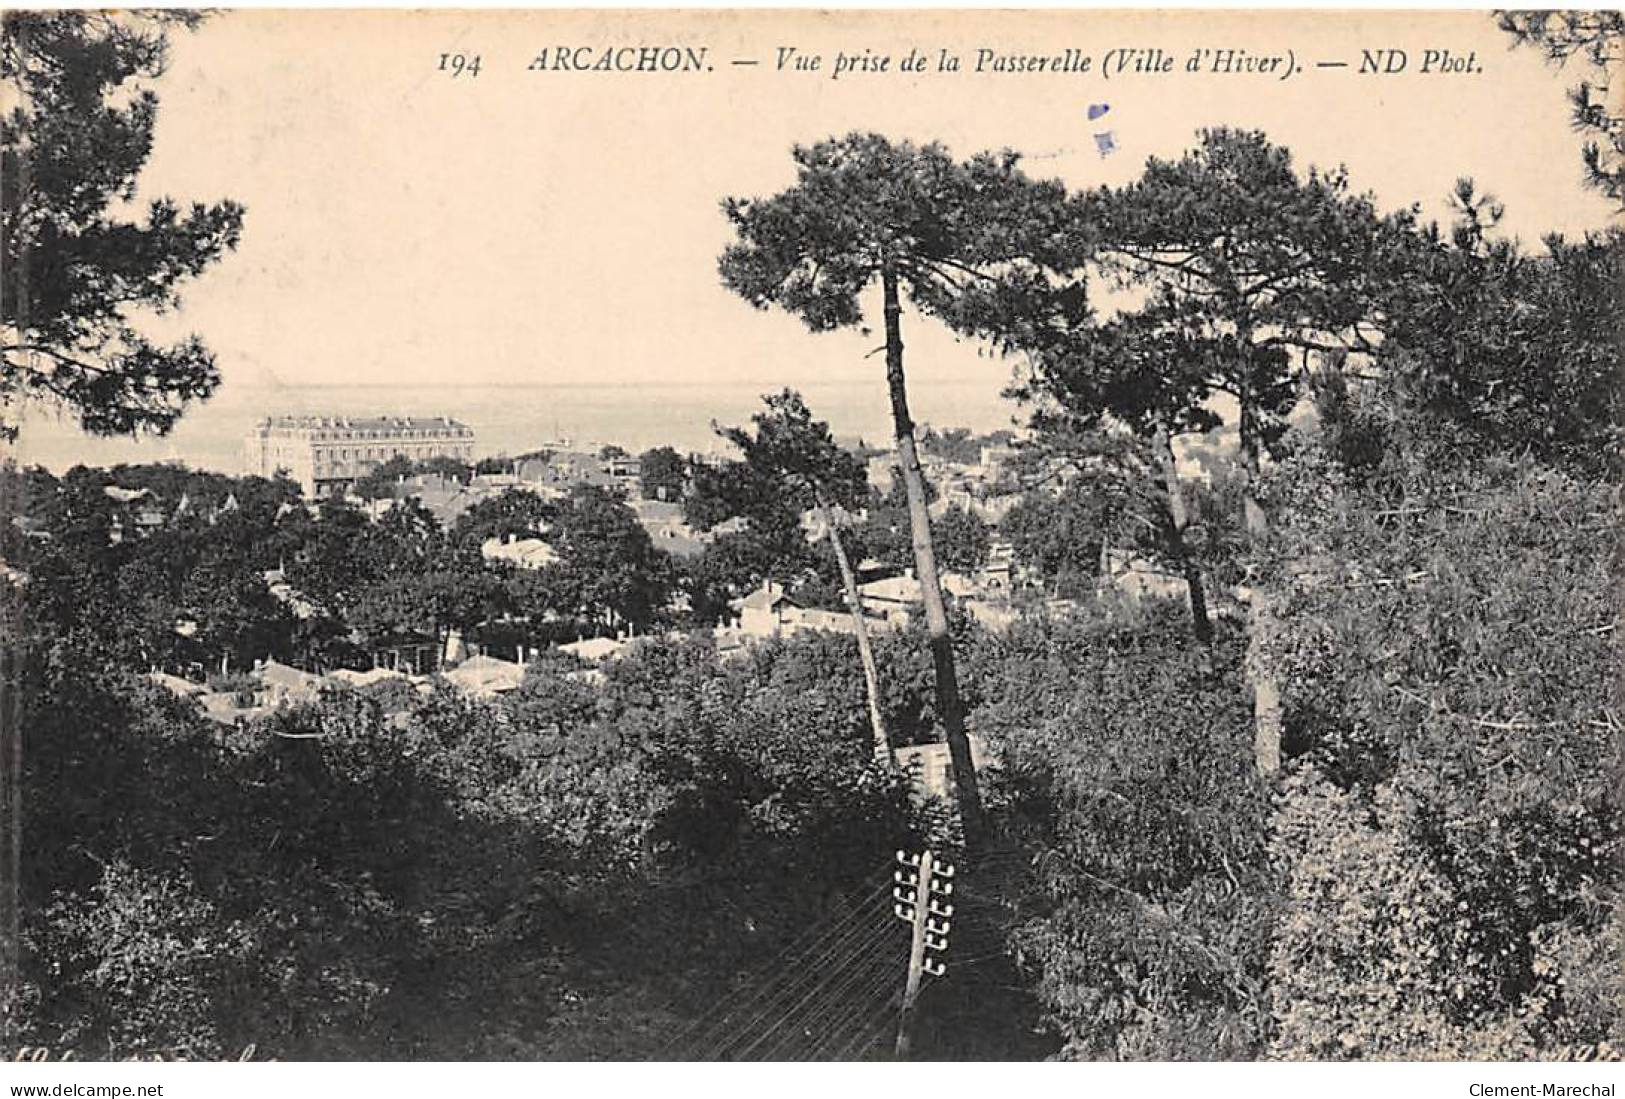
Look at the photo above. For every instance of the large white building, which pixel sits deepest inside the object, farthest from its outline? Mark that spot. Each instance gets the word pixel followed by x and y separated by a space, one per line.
pixel 327 454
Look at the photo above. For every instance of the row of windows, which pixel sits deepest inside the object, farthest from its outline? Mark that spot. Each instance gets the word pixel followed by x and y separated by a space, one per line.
pixel 334 454
pixel 345 456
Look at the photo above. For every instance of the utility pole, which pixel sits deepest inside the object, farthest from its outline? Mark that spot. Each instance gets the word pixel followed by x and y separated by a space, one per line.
pixel 918 878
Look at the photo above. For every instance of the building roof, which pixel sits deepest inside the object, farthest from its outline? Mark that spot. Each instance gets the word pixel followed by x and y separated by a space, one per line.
pixel 658 510
pixel 183 687
pixel 445 501
pixel 223 708
pixel 816 618
pixel 663 519
pixel 366 423
pixel 894 589
pixel 594 648
pixel 527 553
pixel 486 675
pixel 766 597
pixel 495 480
pixel 274 673
pixel 365 679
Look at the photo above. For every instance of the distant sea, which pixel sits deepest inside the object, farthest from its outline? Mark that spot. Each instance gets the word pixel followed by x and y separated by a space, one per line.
pixel 512 419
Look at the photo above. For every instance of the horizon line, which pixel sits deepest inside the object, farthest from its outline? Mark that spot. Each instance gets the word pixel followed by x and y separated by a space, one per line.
pixel 967 379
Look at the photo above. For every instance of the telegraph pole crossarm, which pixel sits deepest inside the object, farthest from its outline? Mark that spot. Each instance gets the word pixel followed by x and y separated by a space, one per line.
pixel 918 878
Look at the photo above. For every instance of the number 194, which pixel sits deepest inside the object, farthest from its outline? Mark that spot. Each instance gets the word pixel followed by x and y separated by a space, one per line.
pixel 458 64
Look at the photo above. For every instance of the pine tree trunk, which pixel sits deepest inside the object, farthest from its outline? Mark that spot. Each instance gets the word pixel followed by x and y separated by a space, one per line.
pixel 1253 519
pixel 1266 684
pixel 1266 692
pixel 949 704
pixel 871 674
pixel 1179 514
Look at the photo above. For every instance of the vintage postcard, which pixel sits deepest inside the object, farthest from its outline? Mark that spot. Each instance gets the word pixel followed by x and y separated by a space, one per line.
pixel 812 535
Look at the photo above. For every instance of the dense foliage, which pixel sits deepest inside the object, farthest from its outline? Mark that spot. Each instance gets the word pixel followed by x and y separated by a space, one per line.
pixel 468 878
pixel 166 569
pixel 1450 703
pixel 1146 917
pixel 78 279
pixel 588 864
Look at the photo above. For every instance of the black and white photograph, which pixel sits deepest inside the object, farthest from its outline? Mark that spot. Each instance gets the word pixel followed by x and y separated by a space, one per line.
pixel 846 536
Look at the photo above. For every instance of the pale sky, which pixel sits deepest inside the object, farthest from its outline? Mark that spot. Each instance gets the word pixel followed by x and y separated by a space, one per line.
pixel 563 227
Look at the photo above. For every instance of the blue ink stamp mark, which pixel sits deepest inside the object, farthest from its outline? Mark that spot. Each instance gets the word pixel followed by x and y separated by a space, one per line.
pixel 1098 109
pixel 1106 143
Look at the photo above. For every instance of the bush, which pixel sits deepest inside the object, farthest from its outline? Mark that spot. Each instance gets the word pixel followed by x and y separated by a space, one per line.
pixel 1450 674
pixel 146 957
pixel 1126 775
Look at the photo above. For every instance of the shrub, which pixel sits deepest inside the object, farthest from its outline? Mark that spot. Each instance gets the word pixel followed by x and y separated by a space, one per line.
pixel 1126 774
